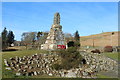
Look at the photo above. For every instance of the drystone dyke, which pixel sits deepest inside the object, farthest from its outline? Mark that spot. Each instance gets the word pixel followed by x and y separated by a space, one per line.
pixel 36 64
pixel 40 64
pixel 98 62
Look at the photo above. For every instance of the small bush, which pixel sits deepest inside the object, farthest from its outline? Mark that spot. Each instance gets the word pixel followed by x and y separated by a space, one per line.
pixel 108 49
pixel 71 58
pixel 77 44
pixel 56 66
pixel 70 44
pixel 72 49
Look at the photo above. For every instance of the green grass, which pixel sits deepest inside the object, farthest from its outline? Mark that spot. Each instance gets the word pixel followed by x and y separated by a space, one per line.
pixel 0 65
pixel 112 55
pixel 102 76
pixel 7 55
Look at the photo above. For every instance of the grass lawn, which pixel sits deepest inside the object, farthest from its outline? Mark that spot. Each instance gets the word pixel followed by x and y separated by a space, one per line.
pixel 7 55
pixel 0 66
pixel 102 76
pixel 112 55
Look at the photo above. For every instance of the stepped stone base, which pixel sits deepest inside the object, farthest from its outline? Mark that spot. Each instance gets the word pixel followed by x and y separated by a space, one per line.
pixel 48 47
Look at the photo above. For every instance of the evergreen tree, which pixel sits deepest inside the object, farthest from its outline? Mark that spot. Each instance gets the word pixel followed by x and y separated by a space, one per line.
pixel 77 39
pixel 10 37
pixel 39 34
pixel 4 38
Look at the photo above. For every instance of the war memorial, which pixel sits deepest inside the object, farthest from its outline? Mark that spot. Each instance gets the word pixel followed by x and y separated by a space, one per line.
pixel 41 63
pixel 55 36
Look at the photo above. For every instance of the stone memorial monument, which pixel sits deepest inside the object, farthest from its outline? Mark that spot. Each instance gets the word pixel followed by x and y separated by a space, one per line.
pixel 55 36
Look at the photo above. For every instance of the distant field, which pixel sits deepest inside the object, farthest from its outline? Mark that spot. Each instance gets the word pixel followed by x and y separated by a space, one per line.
pixel 102 39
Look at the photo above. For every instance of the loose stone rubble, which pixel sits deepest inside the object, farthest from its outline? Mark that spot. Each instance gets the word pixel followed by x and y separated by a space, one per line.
pixel 98 62
pixel 36 64
pixel 40 64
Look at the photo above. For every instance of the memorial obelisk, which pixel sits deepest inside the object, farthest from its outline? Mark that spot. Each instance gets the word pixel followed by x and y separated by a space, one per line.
pixel 55 36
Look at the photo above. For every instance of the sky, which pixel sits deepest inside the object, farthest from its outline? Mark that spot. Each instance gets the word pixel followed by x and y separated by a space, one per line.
pixel 86 17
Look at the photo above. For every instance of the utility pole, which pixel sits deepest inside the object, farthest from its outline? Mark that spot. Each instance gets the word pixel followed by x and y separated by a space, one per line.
pixel 93 42
pixel 112 38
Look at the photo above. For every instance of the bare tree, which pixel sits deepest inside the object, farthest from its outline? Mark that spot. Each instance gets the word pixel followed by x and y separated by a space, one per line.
pixel 41 38
pixel 68 36
pixel 28 38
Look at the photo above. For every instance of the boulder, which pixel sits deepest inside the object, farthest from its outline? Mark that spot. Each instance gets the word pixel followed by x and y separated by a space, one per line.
pixel 8 68
pixel 70 74
pixel 18 74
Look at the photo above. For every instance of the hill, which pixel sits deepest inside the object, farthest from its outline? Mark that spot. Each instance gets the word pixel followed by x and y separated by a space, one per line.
pixel 102 39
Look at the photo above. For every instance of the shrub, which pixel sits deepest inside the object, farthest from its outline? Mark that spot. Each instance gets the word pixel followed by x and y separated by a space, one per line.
pixel 70 44
pixel 77 44
pixel 56 66
pixel 108 49
pixel 71 58
pixel 72 49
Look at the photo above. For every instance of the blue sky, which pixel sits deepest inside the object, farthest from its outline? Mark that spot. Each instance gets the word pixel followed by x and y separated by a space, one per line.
pixel 86 17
